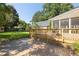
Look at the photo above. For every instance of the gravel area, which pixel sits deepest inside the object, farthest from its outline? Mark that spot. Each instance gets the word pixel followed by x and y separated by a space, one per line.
pixel 30 47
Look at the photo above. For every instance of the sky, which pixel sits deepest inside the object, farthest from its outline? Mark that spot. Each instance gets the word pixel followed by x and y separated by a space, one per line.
pixel 27 10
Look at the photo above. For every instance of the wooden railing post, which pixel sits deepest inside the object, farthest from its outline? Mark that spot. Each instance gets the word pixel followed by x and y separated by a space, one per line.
pixel 59 26
pixel 69 25
pixel 62 35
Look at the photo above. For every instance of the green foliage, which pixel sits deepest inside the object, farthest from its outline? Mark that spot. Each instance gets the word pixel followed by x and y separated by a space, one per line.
pixel 76 47
pixel 13 35
pixel 38 16
pixel 13 19
pixel 3 12
pixel 50 10
pixel 23 25
pixel 8 16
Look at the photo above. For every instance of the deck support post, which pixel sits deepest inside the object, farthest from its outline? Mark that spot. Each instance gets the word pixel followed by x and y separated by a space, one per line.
pixel 69 25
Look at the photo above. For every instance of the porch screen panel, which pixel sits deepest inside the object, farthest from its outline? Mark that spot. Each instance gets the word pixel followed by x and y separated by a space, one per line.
pixel 75 24
pixel 56 24
pixel 65 24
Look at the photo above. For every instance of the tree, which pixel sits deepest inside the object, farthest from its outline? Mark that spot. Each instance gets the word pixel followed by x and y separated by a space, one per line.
pixel 54 9
pixel 13 19
pixel 8 16
pixel 38 16
pixel 51 10
pixel 65 7
pixel 23 26
pixel 4 11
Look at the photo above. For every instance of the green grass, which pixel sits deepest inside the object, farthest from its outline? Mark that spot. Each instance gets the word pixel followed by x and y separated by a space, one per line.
pixel 13 35
pixel 76 47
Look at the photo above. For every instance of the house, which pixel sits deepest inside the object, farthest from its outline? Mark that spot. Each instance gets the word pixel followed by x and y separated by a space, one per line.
pixel 68 21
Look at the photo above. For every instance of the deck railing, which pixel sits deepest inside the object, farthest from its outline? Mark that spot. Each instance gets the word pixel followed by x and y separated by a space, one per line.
pixel 64 33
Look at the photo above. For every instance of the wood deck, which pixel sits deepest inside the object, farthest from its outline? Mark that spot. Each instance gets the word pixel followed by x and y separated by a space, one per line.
pixel 53 34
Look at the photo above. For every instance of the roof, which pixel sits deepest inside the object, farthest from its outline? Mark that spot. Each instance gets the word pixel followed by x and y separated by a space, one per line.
pixel 43 23
pixel 69 14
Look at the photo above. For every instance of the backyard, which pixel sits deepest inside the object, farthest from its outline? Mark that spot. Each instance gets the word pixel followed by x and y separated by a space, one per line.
pixel 31 47
pixel 30 32
pixel 20 44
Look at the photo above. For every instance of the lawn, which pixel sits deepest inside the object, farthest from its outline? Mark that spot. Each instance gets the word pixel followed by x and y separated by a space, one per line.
pixel 13 35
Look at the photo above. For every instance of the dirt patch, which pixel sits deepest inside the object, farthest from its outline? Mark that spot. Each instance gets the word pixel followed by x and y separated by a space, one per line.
pixel 31 47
